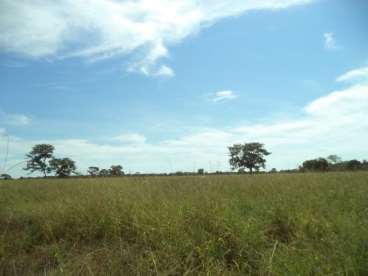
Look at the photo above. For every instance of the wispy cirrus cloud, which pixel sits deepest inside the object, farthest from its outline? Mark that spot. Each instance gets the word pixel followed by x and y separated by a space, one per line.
pixel 330 41
pixel 356 75
pixel 14 119
pixel 225 95
pixel 99 29
pixel 130 138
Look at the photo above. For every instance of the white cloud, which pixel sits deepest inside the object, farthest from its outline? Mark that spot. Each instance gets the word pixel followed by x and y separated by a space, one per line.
pixel 98 29
pixel 130 138
pixel 14 119
pixel 224 95
pixel 334 124
pixel 347 102
pixel 330 41
pixel 165 71
pixel 360 74
pixel 152 70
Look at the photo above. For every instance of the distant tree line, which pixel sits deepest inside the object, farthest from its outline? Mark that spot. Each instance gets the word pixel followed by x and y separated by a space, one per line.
pixel 333 163
pixel 246 157
pixel 41 159
pixel 115 170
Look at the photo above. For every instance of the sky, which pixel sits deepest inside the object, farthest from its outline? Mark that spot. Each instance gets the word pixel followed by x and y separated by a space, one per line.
pixel 165 86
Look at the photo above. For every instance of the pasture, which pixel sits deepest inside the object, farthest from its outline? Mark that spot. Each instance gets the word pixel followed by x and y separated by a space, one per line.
pixel 271 224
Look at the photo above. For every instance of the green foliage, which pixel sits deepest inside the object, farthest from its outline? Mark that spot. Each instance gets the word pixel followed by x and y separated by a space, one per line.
pixel 93 171
pixel 354 165
pixel 248 155
pixel 200 171
pixel 39 157
pixel 333 163
pixel 104 173
pixel 116 170
pixel 63 167
pixel 334 159
pixel 5 176
pixel 271 224
pixel 319 164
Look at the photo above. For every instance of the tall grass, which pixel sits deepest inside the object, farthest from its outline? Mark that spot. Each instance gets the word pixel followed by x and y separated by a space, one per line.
pixel 301 224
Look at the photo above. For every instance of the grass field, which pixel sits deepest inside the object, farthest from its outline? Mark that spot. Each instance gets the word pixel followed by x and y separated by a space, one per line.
pixel 275 224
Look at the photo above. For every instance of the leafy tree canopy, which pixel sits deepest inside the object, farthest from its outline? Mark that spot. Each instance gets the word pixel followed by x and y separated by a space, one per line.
pixel 38 159
pixel 319 164
pixel 93 171
pixel 5 176
pixel 334 159
pixel 116 170
pixel 63 167
pixel 104 172
pixel 248 155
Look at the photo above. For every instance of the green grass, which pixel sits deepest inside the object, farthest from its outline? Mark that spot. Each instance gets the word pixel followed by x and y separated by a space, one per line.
pixel 296 224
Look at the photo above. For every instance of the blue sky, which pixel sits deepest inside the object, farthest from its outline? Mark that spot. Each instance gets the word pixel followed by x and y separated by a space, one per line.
pixel 161 86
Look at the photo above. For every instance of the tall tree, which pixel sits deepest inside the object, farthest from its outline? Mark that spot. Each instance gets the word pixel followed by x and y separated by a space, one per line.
pixel 63 167
pixel 248 155
pixel 38 159
pixel 116 170
pixel 334 159
pixel 93 171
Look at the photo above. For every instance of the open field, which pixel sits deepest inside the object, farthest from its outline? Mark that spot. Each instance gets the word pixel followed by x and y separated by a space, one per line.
pixel 276 224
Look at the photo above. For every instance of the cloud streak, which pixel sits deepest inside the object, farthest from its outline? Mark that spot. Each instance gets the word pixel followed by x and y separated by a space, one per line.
pixel 130 138
pixel 330 41
pixel 360 74
pixel 225 95
pixel 14 119
pixel 99 29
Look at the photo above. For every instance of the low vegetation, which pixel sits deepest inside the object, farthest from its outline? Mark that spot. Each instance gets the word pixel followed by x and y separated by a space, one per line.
pixel 270 224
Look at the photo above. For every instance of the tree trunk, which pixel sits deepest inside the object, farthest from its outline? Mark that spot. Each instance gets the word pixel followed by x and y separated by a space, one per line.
pixel 44 171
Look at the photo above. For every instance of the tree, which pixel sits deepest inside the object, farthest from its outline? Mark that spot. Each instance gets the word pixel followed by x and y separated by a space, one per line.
pixel 248 155
pixel 353 165
pixel 201 171
pixel 104 172
pixel 5 176
pixel 63 167
pixel 365 164
pixel 39 158
pixel 319 164
pixel 334 159
pixel 116 170
pixel 93 171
